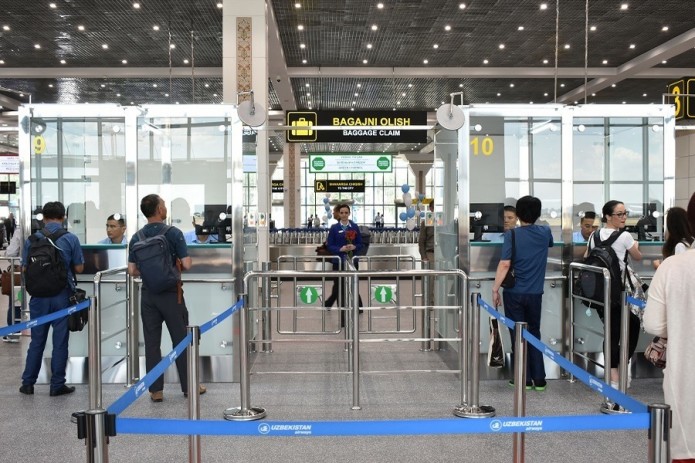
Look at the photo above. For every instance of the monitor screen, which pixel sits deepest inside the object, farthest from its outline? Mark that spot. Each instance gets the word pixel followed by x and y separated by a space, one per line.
pixel 491 219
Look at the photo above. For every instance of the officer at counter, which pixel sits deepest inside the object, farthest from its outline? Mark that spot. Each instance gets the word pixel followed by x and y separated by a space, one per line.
pixel 586 227
pixel 200 233
pixel 115 230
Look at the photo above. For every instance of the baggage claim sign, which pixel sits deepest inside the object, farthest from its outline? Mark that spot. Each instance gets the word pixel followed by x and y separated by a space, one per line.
pixel 357 126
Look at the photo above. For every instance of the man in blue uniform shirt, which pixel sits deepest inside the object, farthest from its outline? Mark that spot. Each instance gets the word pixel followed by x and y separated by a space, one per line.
pixel 115 230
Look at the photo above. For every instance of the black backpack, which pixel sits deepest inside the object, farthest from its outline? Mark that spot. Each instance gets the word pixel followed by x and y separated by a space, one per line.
pixel 46 274
pixel 155 263
pixel 590 284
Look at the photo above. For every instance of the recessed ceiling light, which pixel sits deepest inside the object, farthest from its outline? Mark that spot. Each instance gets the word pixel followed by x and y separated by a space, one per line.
pixel 545 94
pixel 207 85
pixel 623 6
pixel 462 6
pixel 300 27
pixel 624 102
pixel 613 85
pixel 425 61
pixel 303 61
pixel 220 5
pixel 62 61
pixel 364 61
pixel 644 94
pixel 410 85
pixel 632 46
pixel 501 46
pixel 359 85
pixel 118 94
pixel 214 94
pixel 80 27
pixel 521 28
pixel 37 46
pixel 403 94
pixel 593 94
pixel 485 61
pixel 460 85
pixel 664 29
pixel 155 27
pixel 499 94
pixel 664 62
pixel 544 6
pixel 545 61
pixel 185 61
pixel 307 85
pixel 297 5
pixel 105 46
pixel 447 27
pixel 124 61
pixel 154 85
pixel 374 27
pixel 2 61
pixel 52 5
pixel 511 85
pixel 380 6
pixel 369 46
pixel 562 85
pixel 103 85
pixel 592 28
pixel 435 46
pixel 166 94
pixel 136 5
pixel 172 46
pixel 567 46
pixel 302 46
pixel 605 61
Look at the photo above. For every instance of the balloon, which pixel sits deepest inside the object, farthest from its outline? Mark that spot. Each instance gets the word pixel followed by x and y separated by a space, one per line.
pixel 405 188
pixel 327 208
pixel 421 196
pixel 422 214
pixel 411 212
pixel 407 199
pixel 403 216
pixel 325 200
pixel 410 224
pixel 324 218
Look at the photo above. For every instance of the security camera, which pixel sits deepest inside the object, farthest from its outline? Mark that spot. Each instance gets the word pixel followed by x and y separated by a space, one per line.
pixel 277 79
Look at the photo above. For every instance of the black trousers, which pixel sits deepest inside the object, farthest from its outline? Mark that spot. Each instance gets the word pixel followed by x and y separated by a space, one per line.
pixel 155 310
pixel 339 293
pixel 633 333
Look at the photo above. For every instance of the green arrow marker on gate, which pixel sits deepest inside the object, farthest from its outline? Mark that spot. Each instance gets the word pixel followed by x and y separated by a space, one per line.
pixel 383 294
pixel 308 295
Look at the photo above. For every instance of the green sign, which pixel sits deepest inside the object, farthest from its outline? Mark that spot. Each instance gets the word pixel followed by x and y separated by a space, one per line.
pixel 346 163
pixel 383 294
pixel 308 295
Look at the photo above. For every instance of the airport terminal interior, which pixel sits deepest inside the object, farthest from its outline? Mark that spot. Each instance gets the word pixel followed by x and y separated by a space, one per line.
pixel 253 120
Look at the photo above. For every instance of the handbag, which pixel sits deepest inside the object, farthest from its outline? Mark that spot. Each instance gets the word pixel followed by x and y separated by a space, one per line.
pixel 78 320
pixel 495 352
pixel 636 288
pixel 510 279
pixel 6 279
pixel 656 352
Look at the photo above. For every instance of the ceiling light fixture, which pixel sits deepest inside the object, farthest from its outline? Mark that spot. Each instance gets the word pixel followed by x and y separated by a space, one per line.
pixel 2 61
pixel 501 46
pixel 5 27
pixel 303 61
pixel 664 62
pixel 567 46
pixel 499 94
pixel 613 85
pixel 37 46
pixel 124 61
pixel 410 85
pixel 521 28
pixel 644 94
pixel 80 27
pixel 545 61
pixel 447 28
pixel 103 85
pixel 605 61
pixel 511 85
pixel 460 85
pixel 306 85
pixel 664 29
pixel 185 61
pixel 62 61
pixel 220 5
pixel 632 46
pixel 297 5
pixel 359 85
pixel 435 46
pixel 375 27
pixel 425 61
pixel 154 85
pixel 105 46
pixel 544 6
pixel 155 27
pixel 369 46
pixel 118 95
pixel 136 5
pixel 380 6
pixel 364 61
pixel 485 61
pixel 592 28
pixel 624 6
pixel 53 5
pixel 172 46
pixel 302 46
pixel 462 6
pixel 300 27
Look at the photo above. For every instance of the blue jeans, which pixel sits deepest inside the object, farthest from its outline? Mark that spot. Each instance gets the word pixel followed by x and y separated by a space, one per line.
pixel 527 308
pixel 40 306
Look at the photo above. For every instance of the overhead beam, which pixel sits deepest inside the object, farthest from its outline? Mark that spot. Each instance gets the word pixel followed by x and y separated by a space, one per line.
pixel 634 67
pixel 277 65
pixel 9 103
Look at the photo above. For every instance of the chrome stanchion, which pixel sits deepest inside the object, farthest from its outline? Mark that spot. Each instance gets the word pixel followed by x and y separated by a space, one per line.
pixel 94 343
pixel 606 406
pixel 624 341
pixel 474 410
pixel 425 313
pixel 463 353
pixel 520 359
pixel 355 342
pixel 266 333
pixel 192 359
pixel 659 433
pixel 132 333
pixel 97 447
pixel 245 412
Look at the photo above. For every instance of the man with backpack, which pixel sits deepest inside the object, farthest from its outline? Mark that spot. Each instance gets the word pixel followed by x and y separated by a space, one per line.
pixel 51 258
pixel 158 253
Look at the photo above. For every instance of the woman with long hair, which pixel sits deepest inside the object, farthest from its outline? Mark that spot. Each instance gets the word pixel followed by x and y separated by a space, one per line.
pixel 678 236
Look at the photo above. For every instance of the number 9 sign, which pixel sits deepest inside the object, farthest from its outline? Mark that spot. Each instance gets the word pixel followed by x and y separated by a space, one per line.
pixel 39 144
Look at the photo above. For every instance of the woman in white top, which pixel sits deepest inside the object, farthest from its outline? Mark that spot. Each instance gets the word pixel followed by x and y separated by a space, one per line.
pixel 614 216
pixel 679 237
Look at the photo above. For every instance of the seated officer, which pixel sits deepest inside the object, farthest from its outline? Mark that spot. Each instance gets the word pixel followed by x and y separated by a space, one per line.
pixel 587 227
pixel 510 221
pixel 115 230
pixel 200 233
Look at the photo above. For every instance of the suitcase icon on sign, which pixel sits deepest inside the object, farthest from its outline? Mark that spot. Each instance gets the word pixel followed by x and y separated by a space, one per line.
pixel 303 132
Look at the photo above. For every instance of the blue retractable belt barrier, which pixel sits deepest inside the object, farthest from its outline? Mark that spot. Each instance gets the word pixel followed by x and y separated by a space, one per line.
pixel 141 386
pixel 588 379
pixel 5 330
pixel 385 427
pixel 638 302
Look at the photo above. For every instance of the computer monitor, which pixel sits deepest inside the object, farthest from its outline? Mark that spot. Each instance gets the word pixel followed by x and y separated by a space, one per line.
pixel 491 219
pixel 213 224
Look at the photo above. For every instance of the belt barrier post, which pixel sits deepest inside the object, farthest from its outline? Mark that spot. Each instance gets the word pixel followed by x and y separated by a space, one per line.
pixel 474 410
pixel 355 341
pixel 520 359
pixel 97 447
pixel 605 406
pixel 425 313
pixel 192 359
pixel 245 412
pixel 463 352
pixel 132 342
pixel 94 343
pixel 570 345
pixel 624 341
pixel 659 433
pixel 266 333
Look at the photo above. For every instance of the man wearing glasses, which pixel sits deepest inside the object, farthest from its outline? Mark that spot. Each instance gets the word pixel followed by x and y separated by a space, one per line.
pixel 115 230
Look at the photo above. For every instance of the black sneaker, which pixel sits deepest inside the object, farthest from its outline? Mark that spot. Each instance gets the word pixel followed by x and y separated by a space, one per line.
pixel 529 385
pixel 62 390
pixel 27 389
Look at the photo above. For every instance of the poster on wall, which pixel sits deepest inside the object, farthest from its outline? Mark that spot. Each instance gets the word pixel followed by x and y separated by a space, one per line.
pixel 9 164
